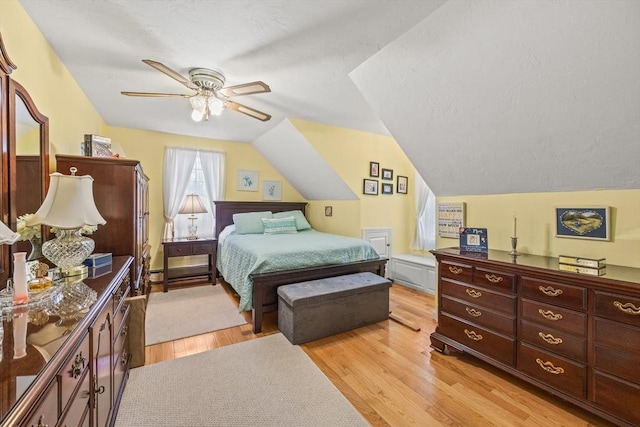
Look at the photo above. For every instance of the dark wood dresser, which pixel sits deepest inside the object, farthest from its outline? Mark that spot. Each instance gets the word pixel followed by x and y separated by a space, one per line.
pixel 576 336
pixel 121 193
pixel 75 371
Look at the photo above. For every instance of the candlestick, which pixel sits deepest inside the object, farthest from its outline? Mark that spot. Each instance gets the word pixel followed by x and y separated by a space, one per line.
pixel 20 287
pixel 515 221
pixel 514 245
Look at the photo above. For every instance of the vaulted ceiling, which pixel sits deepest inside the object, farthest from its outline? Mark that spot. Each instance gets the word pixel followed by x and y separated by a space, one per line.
pixel 484 97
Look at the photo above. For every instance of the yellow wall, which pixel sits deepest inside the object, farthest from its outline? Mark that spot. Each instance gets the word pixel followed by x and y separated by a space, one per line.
pixel 536 223
pixel 148 147
pixel 349 152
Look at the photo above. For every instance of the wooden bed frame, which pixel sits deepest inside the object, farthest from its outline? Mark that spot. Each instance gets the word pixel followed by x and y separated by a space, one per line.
pixel 265 295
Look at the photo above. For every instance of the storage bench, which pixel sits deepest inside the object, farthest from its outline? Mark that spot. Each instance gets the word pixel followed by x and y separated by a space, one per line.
pixel 319 308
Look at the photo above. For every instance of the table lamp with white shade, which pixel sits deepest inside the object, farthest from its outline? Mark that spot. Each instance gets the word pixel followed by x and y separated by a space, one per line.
pixel 68 206
pixel 192 205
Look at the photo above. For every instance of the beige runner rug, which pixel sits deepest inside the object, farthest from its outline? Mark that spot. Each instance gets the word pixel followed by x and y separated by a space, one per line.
pixel 261 382
pixel 182 313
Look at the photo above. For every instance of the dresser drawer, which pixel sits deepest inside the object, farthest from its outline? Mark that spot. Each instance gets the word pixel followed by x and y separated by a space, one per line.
pixel 120 335
pixel 555 317
pixel 554 293
pixel 558 342
pixel 46 410
pixel 482 297
pixel 617 397
pixel 623 364
pixel 494 279
pixel 77 410
pixel 498 347
pixel 556 371
pixel 455 271
pixel 480 315
pixel 615 334
pixel 72 372
pixel 119 313
pixel 623 308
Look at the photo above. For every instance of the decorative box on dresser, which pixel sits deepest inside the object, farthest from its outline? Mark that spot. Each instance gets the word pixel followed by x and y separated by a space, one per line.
pixel 576 336
pixel 121 193
pixel 74 372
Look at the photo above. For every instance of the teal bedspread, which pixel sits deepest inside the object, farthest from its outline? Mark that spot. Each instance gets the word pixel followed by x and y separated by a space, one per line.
pixel 242 255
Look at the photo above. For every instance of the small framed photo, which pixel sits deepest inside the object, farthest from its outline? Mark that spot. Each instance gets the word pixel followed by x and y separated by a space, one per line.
pixel 374 169
pixel 583 222
pixel 402 184
pixel 370 186
pixel 387 174
pixel 387 188
pixel 271 190
pixel 247 180
pixel 328 211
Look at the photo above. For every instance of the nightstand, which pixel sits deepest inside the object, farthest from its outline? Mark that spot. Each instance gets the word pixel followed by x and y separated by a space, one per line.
pixel 186 247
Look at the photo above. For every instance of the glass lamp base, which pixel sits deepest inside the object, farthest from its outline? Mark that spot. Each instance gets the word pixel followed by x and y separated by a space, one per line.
pixel 193 229
pixel 69 249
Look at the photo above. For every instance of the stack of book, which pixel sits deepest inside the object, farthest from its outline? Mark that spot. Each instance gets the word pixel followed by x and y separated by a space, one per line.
pixel 593 267
pixel 98 264
pixel 96 146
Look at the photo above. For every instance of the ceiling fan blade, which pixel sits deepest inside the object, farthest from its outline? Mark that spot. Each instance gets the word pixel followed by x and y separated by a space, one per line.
pixel 169 72
pixel 156 95
pixel 252 112
pixel 245 89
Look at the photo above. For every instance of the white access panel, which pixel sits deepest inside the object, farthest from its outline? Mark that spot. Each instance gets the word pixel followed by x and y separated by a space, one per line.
pixel 380 239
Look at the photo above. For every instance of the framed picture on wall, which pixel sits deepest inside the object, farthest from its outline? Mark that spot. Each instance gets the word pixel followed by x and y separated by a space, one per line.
pixel 247 180
pixel 401 187
pixel 271 190
pixel 374 169
pixel 387 188
pixel 370 186
pixel 583 222
pixel 387 174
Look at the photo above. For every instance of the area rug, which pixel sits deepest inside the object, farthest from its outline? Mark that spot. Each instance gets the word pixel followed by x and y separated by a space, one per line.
pixel 262 382
pixel 182 313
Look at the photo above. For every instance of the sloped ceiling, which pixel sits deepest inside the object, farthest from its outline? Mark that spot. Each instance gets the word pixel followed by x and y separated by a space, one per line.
pixel 302 166
pixel 514 97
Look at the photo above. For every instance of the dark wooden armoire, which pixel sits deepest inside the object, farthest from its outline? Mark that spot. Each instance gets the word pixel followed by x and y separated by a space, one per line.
pixel 120 190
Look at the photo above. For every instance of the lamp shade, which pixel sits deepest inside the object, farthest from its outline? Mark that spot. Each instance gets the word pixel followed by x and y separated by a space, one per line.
pixel 192 205
pixel 69 203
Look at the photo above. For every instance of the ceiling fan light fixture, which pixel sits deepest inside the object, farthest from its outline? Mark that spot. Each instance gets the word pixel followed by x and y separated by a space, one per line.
pixel 215 106
pixel 197 116
pixel 198 103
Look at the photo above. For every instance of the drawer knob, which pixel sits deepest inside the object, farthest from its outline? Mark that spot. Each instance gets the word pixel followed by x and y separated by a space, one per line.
pixel 473 312
pixel 473 293
pixel 548 366
pixel 473 335
pixel 455 270
pixel 550 291
pixel 550 315
pixel 41 422
pixel 493 278
pixel 550 339
pixel 627 308
pixel 78 365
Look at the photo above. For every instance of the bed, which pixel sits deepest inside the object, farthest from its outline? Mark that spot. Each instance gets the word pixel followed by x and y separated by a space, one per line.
pixel 264 285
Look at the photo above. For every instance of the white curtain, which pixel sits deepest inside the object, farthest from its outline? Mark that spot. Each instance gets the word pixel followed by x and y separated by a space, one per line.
pixel 425 200
pixel 214 172
pixel 176 172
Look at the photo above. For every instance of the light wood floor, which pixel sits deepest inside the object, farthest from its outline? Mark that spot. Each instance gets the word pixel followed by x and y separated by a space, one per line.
pixel 391 375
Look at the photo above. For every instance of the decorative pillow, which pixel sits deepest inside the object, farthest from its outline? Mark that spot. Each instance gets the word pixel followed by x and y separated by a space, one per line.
pixel 301 221
pixel 279 225
pixel 250 222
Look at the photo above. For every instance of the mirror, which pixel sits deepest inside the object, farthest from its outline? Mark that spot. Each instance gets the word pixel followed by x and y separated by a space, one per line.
pixel 28 132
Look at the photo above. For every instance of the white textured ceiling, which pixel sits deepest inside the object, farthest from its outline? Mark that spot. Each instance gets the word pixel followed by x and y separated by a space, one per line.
pixel 302 49
pixel 485 97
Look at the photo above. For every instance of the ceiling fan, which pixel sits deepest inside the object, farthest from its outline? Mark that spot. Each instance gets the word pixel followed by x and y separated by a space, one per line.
pixel 210 96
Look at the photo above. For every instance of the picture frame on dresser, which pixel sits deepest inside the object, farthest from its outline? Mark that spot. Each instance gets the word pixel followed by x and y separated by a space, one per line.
pixel 587 222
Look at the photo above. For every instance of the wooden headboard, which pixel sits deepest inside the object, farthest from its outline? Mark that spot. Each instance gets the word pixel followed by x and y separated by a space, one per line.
pixel 224 210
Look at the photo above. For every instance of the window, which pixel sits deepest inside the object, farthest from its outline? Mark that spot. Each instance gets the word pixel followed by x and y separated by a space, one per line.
pixel 189 171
